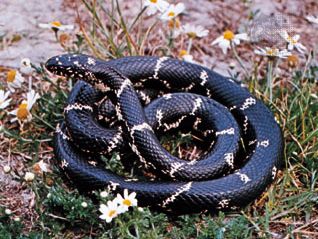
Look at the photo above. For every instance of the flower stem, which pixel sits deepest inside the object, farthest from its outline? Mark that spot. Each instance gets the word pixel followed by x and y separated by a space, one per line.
pixel 56 35
pixel 171 33
pixel 30 83
pixel 170 39
pixel 238 58
pixel 189 45
pixel 270 79
pixel 43 121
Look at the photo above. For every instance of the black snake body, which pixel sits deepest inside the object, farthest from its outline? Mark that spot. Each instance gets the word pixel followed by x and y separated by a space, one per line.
pixel 245 141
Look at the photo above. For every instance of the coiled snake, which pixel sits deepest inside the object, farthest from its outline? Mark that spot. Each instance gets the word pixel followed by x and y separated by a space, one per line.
pixel 245 141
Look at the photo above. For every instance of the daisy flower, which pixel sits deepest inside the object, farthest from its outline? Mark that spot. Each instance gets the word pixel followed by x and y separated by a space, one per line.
pixel 272 52
pixel 293 42
pixel 175 26
pixel 129 200
pixel 14 80
pixel 194 31
pixel 8 211
pixel 173 11
pixel 186 56
pixel 103 194
pixel 56 26
pixel 6 169
pixel 41 167
pixel 3 99
pixel 25 66
pixel 29 177
pixel 229 37
pixel 23 112
pixel 312 19
pixel 110 211
pixel 155 5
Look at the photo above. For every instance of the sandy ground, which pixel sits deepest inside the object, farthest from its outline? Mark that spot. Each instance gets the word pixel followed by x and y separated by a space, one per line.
pixel 20 19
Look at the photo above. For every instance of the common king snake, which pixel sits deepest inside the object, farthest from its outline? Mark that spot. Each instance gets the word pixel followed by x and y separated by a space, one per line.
pixel 124 105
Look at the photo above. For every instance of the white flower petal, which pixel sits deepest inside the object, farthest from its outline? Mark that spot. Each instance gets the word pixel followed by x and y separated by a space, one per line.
pixel 283 54
pixel 284 35
pixel 14 120
pixel 66 27
pixel 17 81
pixel 6 95
pixel 175 9
pixel 103 216
pixel 260 51
pixel 5 104
pixel 242 36
pixel 179 8
pixel 225 44
pixel 4 101
pixel 153 7
pixel 45 25
pixel 312 19
pixel 43 166
pixel 188 58
pixel 32 97
pixel 103 208
pixel 125 193
pixel 122 209
pixel 151 10
pixel 54 25
pixel 25 66
pixel 296 38
pixel 290 47
pixel 198 31
pixel 132 195
pixel 236 41
pixel 301 48
pixel 217 40
pixel 162 5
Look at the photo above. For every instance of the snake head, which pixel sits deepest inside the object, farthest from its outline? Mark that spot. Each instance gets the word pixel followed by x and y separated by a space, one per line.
pixel 70 65
pixel 79 66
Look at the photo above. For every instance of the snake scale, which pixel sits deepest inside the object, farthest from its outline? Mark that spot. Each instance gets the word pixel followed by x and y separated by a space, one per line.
pixel 125 104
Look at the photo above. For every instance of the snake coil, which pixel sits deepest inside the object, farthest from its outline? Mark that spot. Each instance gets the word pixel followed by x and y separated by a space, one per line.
pixel 138 98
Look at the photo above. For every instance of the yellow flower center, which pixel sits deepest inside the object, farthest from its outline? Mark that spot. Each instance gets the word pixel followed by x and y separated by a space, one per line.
pixel 127 202
pixel 112 213
pixel 271 52
pixel 154 1
pixel 228 35
pixel 56 24
pixel 183 53
pixel 174 23
pixel 171 14
pixel 192 34
pixel 11 75
pixel 291 40
pixel 22 112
